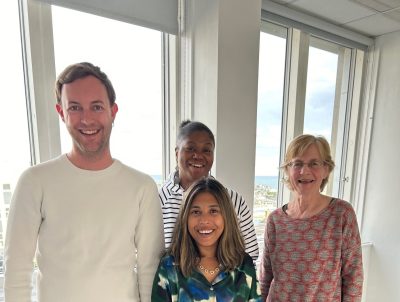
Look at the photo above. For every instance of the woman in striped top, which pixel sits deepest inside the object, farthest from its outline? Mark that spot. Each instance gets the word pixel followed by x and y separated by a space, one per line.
pixel 194 152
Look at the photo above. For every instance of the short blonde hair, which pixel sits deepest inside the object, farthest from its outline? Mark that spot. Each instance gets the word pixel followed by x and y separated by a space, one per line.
pixel 300 144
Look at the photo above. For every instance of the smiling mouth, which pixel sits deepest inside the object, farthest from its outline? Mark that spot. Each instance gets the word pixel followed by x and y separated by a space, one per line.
pixel 89 132
pixel 205 232
pixel 305 181
pixel 198 166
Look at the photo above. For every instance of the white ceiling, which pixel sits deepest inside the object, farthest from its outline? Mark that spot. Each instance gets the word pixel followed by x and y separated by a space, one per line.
pixel 368 17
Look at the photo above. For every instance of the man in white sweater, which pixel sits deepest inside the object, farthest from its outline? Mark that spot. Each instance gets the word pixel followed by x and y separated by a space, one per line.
pixel 93 223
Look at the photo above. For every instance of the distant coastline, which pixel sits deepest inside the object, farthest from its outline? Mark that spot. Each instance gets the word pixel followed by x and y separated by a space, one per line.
pixel 270 181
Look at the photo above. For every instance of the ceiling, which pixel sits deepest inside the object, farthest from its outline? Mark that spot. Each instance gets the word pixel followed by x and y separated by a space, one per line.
pixel 368 17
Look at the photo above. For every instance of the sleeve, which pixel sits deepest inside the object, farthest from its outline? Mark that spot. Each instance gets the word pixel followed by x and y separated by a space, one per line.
pixel 266 273
pixel 246 224
pixel 161 291
pixel 23 226
pixel 149 239
pixel 352 267
pixel 255 293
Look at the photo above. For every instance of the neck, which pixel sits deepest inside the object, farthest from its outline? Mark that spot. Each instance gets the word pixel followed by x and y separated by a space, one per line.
pixel 184 184
pixel 307 206
pixel 90 161
pixel 208 252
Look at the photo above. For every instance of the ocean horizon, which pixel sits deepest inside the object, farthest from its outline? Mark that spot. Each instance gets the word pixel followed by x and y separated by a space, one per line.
pixel 270 181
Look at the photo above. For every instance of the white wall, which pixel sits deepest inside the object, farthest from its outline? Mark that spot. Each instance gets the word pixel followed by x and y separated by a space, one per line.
pixel 225 44
pixel 381 220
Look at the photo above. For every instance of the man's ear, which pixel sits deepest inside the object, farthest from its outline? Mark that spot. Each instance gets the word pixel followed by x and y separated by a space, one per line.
pixel 114 110
pixel 60 111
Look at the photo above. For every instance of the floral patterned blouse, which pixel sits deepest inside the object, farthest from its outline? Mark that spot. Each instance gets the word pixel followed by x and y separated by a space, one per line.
pixel 236 286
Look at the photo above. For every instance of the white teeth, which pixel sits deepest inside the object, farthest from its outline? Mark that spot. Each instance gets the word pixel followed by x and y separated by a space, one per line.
pixel 197 165
pixel 205 231
pixel 89 132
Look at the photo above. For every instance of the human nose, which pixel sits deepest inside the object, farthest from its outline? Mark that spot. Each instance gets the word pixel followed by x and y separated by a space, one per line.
pixel 86 117
pixel 196 154
pixel 204 218
pixel 306 166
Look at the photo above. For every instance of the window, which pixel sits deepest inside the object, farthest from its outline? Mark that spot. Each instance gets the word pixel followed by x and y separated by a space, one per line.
pixel 306 85
pixel 14 132
pixel 269 122
pixel 131 57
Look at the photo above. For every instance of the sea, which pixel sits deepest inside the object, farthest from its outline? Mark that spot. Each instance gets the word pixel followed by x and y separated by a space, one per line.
pixel 270 181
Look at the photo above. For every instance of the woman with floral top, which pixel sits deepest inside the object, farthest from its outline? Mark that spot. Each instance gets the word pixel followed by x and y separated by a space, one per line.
pixel 206 260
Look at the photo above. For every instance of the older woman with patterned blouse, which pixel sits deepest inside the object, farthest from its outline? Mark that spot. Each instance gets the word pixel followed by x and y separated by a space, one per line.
pixel 206 260
pixel 312 244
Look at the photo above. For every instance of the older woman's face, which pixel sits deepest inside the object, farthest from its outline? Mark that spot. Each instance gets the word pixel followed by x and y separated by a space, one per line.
pixel 307 171
pixel 195 157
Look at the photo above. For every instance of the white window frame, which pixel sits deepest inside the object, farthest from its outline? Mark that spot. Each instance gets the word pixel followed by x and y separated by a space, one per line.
pixel 40 76
pixel 39 69
pixel 354 137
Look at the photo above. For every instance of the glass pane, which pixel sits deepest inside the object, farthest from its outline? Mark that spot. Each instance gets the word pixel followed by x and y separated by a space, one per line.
pixel 131 57
pixel 320 95
pixel 269 120
pixel 325 109
pixel 15 151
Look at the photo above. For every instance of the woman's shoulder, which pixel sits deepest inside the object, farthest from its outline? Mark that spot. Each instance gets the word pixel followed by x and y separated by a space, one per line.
pixel 340 205
pixel 276 214
pixel 167 260
pixel 247 265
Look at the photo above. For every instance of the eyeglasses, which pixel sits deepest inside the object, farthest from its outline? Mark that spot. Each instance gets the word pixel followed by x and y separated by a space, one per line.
pixel 313 165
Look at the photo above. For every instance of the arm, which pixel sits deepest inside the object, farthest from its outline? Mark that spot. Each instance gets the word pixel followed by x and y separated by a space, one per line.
pixel 266 273
pixel 149 239
pixel 161 288
pixel 352 268
pixel 246 224
pixel 23 226
pixel 255 293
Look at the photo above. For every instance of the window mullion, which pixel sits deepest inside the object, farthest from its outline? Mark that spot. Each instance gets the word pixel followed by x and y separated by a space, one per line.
pixel 39 79
pixel 295 94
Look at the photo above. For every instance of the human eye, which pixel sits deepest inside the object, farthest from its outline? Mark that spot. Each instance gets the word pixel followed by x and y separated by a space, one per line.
pixel 315 164
pixel 194 212
pixel 98 108
pixel 207 151
pixel 214 211
pixel 297 165
pixel 74 108
pixel 189 149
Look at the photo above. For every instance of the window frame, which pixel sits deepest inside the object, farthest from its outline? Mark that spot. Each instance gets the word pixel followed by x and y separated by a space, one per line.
pixel 39 72
pixel 351 60
pixel 40 76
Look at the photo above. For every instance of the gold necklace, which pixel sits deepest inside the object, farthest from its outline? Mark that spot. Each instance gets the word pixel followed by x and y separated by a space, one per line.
pixel 211 272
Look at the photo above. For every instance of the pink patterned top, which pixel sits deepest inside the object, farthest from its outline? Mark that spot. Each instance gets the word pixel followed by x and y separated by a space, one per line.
pixel 313 259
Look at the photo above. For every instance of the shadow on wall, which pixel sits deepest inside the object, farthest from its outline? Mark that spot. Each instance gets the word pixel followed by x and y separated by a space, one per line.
pixel 366 251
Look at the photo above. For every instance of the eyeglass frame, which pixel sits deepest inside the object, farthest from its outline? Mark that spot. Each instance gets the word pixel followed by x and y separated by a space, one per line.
pixel 320 164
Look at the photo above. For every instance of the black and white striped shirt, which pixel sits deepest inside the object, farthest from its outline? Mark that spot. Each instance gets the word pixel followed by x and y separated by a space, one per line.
pixel 171 195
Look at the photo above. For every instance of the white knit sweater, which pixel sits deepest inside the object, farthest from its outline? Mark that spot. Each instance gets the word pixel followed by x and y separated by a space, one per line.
pixel 97 234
